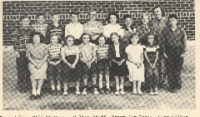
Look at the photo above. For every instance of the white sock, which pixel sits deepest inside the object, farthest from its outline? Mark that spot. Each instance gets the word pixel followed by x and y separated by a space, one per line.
pixel 38 91
pixel 100 84
pixel 107 85
pixel 122 87
pixel 58 87
pixel 53 87
pixel 117 87
pixel 34 91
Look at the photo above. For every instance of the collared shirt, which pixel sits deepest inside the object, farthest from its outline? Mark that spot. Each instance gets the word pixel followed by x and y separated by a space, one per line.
pixel 21 37
pixel 75 30
pixel 117 50
pixel 87 51
pixel 175 40
pixel 109 28
pixel 36 52
pixel 102 51
pixel 93 26
pixel 70 51
pixel 55 30
pixel 54 51
pixel 42 28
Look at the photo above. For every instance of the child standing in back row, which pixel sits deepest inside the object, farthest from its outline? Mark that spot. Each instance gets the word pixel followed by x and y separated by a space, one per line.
pixel 135 63
pixel 103 63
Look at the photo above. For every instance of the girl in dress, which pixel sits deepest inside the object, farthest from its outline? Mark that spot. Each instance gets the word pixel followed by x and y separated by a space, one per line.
pixel 88 62
pixel 70 57
pixel 37 54
pixel 118 57
pixel 135 63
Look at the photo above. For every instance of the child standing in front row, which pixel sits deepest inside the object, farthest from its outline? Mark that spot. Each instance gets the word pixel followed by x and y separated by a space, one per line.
pixel 54 67
pixel 118 57
pixel 151 53
pixel 103 63
pixel 135 63
pixel 88 62
pixel 70 57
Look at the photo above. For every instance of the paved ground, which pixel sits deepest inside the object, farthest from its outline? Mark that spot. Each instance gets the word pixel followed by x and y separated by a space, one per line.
pixel 13 100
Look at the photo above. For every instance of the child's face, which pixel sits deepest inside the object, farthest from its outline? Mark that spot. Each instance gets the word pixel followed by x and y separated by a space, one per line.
pixel 25 22
pixel 115 38
pixel 145 20
pixel 86 39
pixel 70 41
pixel 74 18
pixel 157 13
pixel 172 22
pixel 36 39
pixel 128 22
pixel 102 41
pixel 150 39
pixel 93 16
pixel 41 19
pixel 54 39
pixel 113 19
pixel 134 39
pixel 55 18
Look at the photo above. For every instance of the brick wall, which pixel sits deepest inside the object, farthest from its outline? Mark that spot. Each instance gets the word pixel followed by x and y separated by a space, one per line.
pixel 12 10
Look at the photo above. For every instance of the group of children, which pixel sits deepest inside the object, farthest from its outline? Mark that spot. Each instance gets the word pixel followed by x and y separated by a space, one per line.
pixel 87 52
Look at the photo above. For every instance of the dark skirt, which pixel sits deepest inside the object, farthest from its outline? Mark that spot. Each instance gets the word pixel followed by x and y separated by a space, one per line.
pixel 88 71
pixel 117 70
pixel 54 72
pixel 103 66
pixel 71 74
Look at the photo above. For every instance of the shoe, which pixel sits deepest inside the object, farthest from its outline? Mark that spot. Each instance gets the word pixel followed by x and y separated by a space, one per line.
pixel 53 92
pixel 65 93
pixel 156 93
pixel 117 93
pixel 84 92
pixel 134 91
pixel 107 91
pixel 151 93
pixel 59 92
pixel 140 92
pixel 101 91
pixel 96 91
pixel 173 91
pixel 122 92
pixel 33 97
pixel 78 92
pixel 38 97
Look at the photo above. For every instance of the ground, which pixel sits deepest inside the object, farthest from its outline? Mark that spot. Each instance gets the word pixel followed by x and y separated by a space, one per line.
pixel 14 100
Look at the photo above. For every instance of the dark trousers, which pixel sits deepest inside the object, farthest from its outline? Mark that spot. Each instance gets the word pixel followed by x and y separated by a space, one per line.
pixel 23 72
pixel 174 66
pixel 152 76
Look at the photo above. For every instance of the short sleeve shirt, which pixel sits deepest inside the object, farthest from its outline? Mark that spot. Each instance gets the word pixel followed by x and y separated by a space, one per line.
pixel 71 51
pixel 151 52
pixel 54 51
pixel 87 51
pixel 135 52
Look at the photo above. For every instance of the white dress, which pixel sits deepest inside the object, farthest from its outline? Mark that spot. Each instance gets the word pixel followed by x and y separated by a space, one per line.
pixel 135 52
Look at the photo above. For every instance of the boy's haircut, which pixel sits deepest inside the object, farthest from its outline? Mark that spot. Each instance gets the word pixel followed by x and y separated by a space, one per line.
pixel 162 10
pixel 40 14
pixel 83 35
pixel 173 15
pixel 54 36
pixel 55 13
pixel 127 16
pixel 37 33
pixel 115 14
pixel 23 17
pixel 67 37
pixel 100 37
pixel 145 15
pixel 74 13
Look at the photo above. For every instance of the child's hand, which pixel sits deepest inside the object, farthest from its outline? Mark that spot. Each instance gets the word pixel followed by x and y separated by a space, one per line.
pixel 165 55
pixel 38 66
pixel 154 66
pixel 89 65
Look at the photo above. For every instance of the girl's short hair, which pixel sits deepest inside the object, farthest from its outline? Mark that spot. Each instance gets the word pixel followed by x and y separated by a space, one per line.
pixel 84 35
pixel 100 37
pixel 172 15
pixel 133 35
pixel 162 10
pixel 115 14
pixel 145 15
pixel 127 16
pixel 37 33
pixel 67 37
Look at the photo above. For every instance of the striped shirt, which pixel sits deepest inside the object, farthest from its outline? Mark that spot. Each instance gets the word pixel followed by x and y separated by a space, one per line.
pixel 42 28
pixel 21 37
pixel 151 52
pixel 53 30
pixel 102 51
pixel 54 51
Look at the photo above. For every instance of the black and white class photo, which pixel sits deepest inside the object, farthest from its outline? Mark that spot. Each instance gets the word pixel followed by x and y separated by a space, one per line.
pixel 98 55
